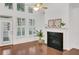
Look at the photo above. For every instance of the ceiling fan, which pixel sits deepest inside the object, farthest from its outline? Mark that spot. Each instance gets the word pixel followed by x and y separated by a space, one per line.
pixel 38 6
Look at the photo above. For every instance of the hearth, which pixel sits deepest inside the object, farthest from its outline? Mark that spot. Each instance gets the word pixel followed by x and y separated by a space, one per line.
pixel 55 40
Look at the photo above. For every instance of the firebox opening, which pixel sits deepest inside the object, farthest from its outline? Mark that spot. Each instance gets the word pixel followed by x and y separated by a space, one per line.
pixel 55 40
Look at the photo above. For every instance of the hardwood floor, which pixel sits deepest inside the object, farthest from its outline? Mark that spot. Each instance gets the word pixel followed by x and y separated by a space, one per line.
pixel 73 51
pixel 30 48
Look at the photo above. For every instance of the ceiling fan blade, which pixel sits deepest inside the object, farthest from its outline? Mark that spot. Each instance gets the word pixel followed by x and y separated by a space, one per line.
pixel 45 7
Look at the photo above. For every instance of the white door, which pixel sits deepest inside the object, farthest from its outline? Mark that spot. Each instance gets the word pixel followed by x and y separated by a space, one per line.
pixel 6 26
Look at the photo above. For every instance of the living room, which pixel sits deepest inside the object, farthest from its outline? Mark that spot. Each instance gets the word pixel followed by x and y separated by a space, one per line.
pixel 20 23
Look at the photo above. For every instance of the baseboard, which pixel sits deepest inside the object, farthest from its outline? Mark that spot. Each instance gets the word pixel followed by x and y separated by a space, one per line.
pixel 6 46
pixel 21 42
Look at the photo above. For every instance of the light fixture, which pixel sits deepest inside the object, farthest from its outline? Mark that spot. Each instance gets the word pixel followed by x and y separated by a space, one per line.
pixel 38 6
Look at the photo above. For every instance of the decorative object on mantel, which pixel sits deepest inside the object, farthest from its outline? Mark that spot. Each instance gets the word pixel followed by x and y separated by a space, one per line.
pixel 40 35
pixel 54 23
pixel 62 24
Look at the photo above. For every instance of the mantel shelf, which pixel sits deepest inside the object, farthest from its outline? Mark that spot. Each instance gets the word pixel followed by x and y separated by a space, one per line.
pixel 57 28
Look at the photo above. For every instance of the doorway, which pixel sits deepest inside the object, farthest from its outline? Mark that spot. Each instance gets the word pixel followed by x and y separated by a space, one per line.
pixel 6 31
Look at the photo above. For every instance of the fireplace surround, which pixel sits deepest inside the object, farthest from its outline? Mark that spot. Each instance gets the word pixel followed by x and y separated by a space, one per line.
pixel 55 40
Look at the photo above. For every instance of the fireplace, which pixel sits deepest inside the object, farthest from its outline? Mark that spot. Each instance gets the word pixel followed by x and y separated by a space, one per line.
pixel 55 40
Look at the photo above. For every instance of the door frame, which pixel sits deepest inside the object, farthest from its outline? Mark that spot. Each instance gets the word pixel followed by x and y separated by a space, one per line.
pixel 7 20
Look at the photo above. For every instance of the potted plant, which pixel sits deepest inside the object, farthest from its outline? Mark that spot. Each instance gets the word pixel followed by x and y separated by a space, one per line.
pixel 40 35
pixel 62 24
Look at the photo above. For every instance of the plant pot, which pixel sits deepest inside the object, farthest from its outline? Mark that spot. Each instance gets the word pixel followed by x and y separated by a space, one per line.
pixel 62 26
pixel 40 41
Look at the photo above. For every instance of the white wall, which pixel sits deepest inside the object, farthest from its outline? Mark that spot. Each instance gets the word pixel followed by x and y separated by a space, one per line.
pixel 74 28
pixel 5 11
pixel 55 11
pixel 0 33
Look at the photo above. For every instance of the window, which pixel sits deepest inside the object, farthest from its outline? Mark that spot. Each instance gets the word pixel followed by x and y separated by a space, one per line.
pixel 19 21
pixel 31 22
pixel 31 27
pixel 6 28
pixel 23 21
pixel 20 6
pixel 9 5
pixel 30 9
pixel 20 27
pixel 23 31
pixel 30 31
pixel 18 31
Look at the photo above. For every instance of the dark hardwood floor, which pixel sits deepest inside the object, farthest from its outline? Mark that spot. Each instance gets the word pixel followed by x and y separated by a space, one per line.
pixel 30 48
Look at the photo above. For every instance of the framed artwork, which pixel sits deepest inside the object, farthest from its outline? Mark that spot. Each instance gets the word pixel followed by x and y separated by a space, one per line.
pixel 51 23
pixel 54 23
pixel 58 23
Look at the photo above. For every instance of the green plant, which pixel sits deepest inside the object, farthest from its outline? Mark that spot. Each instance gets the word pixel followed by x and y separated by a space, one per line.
pixel 62 24
pixel 40 34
